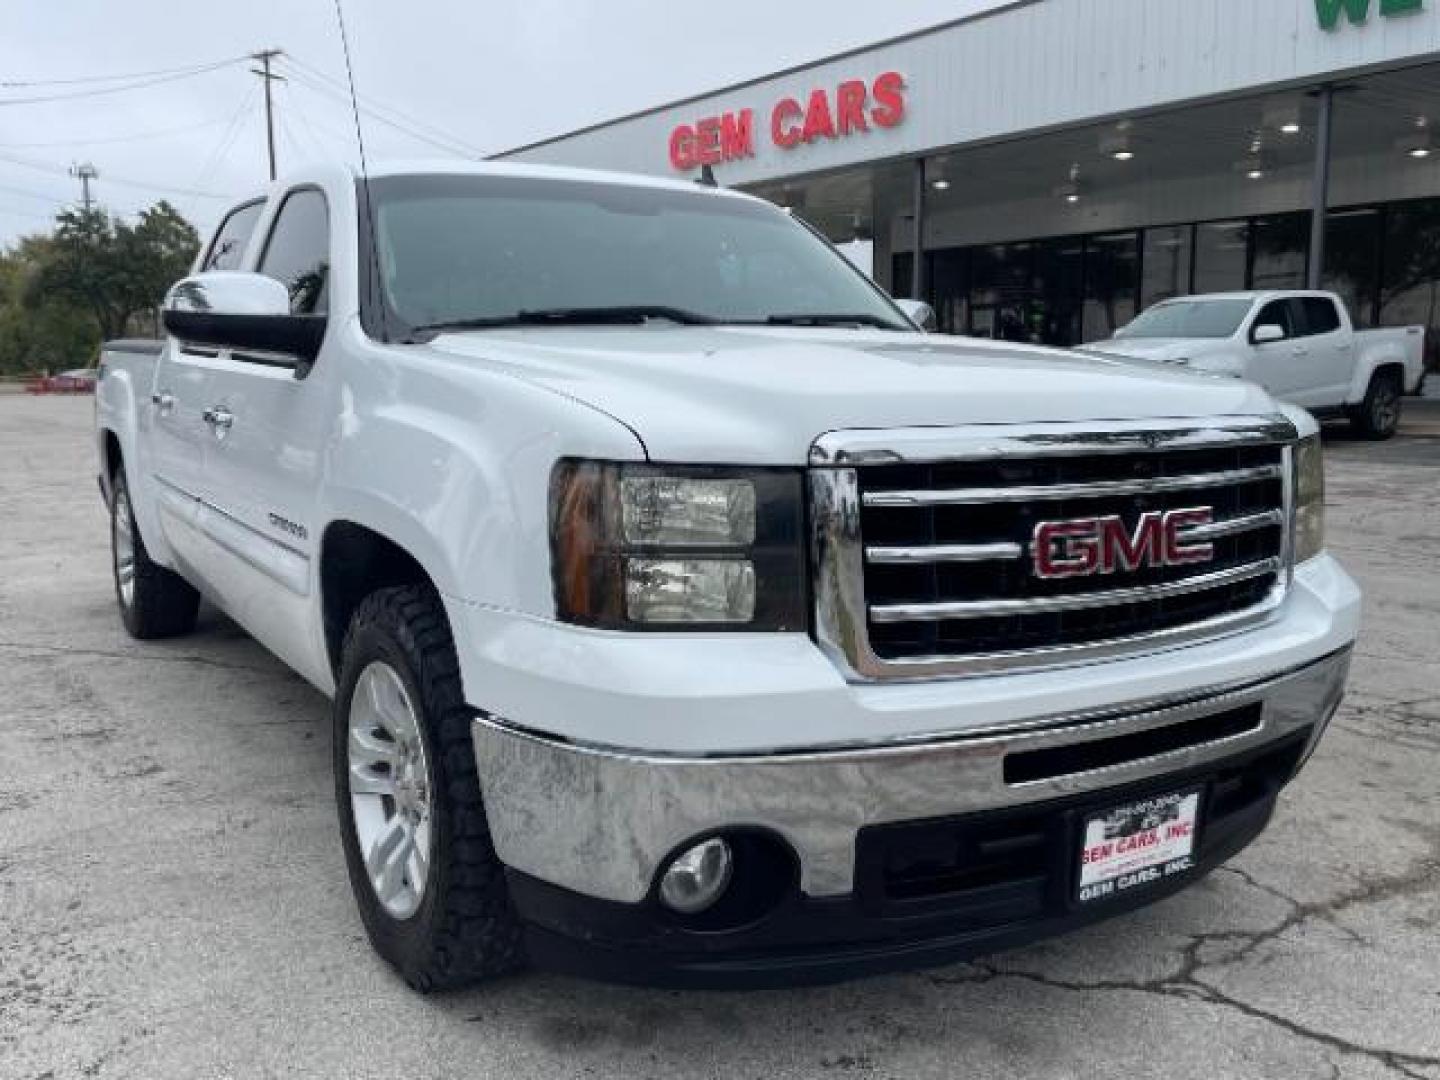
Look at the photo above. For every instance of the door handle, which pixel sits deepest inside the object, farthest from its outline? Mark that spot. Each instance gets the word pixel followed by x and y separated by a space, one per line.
pixel 218 417
pixel 163 400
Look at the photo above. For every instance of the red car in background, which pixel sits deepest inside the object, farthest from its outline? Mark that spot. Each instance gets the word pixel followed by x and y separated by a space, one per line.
pixel 75 381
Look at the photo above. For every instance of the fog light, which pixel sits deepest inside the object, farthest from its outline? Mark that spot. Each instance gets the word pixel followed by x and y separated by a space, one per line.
pixel 697 877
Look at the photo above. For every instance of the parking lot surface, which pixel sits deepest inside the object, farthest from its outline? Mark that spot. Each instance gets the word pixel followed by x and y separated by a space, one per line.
pixel 173 901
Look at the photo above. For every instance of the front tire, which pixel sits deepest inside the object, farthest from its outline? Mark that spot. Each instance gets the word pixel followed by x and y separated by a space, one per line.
pixel 430 889
pixel 1378 415
pixel 154 602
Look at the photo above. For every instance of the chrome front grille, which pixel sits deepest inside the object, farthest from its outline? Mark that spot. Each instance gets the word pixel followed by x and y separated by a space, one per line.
pixel 924 541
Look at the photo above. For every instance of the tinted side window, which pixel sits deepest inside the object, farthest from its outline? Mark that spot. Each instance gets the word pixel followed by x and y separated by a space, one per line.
pixel 230 242
pixel 1277 312
pixel 1320 315
pixel 297 253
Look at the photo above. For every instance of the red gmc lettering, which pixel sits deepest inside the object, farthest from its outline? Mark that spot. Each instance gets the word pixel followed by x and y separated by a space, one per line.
pixel 1081 546
pixel 1119 550
pixel 1079 541
pixel 1178 553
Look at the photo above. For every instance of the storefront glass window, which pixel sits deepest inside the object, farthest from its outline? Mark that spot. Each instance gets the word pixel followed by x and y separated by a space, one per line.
pixel 1166 264
pixel 1059 279
pixel 1002 290
pixel 949 290
pixel 1410 292
pixel 1220 248
pixel 1352 261
pixel 1281 243
pixel 1112 270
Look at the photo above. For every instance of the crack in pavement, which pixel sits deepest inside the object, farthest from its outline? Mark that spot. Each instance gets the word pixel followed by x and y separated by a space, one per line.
pixel 1186 982
pixel 36 651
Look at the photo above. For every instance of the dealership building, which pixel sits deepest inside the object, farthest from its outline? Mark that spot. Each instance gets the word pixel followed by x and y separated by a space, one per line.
pixel 1060 164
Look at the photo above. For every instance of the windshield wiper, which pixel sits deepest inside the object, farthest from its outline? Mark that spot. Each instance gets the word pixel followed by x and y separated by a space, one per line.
pixel 824 319
pixel 576 316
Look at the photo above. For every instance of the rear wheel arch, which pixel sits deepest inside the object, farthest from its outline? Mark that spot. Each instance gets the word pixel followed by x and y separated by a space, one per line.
pixel 1390 369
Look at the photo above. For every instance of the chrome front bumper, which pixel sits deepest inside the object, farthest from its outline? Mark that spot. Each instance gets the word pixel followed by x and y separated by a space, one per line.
pixel 600 821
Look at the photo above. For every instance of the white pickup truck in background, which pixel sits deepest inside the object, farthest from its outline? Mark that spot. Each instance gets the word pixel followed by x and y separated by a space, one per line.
pixel 688 614
pixel 1300 346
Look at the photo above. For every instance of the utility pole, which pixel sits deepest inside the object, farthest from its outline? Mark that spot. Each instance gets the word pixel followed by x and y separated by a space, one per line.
pixel 264 56
pixel 85 172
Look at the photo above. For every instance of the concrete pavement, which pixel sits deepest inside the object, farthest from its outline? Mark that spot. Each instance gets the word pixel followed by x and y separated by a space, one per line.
pixel 173 901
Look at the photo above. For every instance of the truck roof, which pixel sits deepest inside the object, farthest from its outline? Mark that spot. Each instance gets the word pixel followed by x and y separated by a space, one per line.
pixel 1250 294
pixel 451 167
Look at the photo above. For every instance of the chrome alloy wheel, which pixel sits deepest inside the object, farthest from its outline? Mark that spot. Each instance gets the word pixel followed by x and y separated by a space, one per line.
pixel 124 542
pixel 390 796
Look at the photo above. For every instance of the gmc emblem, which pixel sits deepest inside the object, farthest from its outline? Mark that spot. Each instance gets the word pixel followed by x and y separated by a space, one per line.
pixel 1102 545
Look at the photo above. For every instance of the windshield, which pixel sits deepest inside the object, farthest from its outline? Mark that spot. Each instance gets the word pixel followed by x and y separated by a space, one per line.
pixel 492 250
pixel 1188 319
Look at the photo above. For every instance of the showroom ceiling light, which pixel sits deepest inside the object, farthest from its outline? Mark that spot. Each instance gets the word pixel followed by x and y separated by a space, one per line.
pixel 1417 146
pixel 1071 190
pixel 1118 145
pixel 1253 166
pixel 1282 115
pixel 941 185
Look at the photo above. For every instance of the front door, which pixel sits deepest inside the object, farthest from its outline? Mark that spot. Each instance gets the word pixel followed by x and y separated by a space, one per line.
pixel 1278 366
pixel 264 467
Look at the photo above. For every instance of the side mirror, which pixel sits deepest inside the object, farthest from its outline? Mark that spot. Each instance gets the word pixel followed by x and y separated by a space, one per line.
pixel 1267 332
pixel 918 312
pixel 245 312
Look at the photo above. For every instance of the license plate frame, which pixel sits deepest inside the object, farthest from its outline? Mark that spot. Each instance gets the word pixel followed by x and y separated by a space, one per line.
pixel 1133 845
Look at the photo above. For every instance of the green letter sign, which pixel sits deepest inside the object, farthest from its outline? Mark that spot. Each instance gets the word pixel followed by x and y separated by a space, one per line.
pixel 1358 10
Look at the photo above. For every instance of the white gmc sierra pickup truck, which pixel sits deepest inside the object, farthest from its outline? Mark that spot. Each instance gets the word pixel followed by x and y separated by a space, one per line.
pixel 1300 346
pixel 689 615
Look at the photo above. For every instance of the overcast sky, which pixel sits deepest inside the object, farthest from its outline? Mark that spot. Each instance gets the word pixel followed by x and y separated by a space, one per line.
pixel 473 76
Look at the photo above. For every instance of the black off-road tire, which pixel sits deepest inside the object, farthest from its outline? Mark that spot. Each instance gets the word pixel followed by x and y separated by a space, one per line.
pixel 1378 415
pixel 162 603
pixel 465 929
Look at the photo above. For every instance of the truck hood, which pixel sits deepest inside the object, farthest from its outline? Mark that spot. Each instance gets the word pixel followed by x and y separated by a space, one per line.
pixel 751 395
pixel 1168 350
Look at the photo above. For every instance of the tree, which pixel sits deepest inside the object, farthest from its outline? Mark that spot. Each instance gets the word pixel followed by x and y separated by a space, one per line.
pixel 111 268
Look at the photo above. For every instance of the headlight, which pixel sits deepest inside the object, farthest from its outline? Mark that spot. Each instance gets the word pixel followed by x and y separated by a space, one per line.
pixel 638 547
pixel 1309 499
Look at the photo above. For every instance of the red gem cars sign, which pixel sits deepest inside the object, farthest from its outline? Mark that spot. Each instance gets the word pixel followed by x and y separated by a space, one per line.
pixel 852 108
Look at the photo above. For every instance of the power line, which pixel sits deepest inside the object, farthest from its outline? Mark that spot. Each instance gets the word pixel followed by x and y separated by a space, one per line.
pixel 9 84
pixel 60 170
pixel 398 119
pixel 227 139
pixel 106 140
pixel 458 149
pixel 172 77
pixel 27 214
pixel 33 194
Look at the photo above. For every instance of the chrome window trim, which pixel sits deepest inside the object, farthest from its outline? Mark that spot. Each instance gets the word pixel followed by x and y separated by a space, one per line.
pixel 838 553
